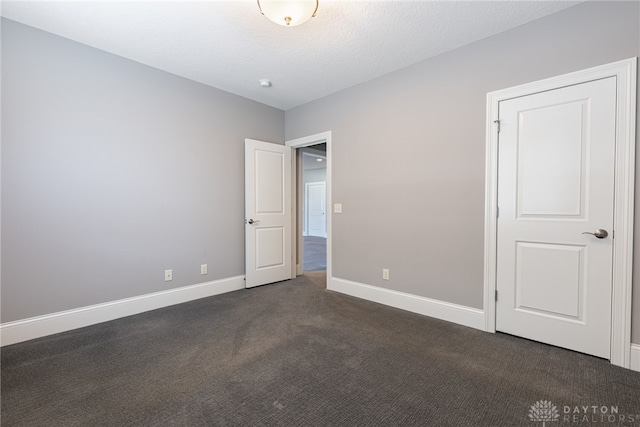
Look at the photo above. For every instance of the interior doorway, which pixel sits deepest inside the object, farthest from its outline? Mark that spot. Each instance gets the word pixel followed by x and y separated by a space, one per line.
pixel 321 143
pixel 312 193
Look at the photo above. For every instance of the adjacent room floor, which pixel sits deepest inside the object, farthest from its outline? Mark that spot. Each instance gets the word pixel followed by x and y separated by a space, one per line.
pixel 315 253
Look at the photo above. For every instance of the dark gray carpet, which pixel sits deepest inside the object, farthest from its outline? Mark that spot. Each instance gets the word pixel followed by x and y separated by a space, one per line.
pixel 294 354
pixel 314 253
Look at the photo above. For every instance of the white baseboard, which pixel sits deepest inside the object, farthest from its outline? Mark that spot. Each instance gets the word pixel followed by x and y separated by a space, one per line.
pixel 454 313
pixel 40 326
pixel 634 363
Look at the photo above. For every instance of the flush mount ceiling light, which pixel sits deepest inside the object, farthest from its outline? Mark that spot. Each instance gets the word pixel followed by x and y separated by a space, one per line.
pixel 288 13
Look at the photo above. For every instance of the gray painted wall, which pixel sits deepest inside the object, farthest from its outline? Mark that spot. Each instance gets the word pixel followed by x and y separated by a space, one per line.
pixel 408 150
pixel 112 172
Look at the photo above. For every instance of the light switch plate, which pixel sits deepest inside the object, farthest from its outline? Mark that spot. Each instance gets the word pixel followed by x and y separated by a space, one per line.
pixel 337 208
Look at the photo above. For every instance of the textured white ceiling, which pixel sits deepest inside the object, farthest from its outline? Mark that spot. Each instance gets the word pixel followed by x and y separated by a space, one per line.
pixel 230 45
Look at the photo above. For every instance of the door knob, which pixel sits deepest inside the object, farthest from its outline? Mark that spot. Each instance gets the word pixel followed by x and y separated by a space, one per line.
pixel 599 233
pixel 251 221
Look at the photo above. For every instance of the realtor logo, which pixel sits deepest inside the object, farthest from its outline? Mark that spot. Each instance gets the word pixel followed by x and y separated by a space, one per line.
pixel 543 411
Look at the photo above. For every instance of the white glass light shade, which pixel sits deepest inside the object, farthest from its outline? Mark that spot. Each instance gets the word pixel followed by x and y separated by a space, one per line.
pixel 288 13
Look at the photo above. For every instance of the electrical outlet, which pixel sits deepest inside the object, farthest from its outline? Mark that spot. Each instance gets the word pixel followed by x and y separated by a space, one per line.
pixel 385 274
pixel 203 269
pixel 168 275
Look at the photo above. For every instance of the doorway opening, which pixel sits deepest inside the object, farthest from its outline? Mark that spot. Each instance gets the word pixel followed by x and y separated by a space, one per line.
pixel 312 215
pixel 313 194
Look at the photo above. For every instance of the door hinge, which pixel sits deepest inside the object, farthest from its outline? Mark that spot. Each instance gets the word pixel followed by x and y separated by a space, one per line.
pixel 496 295
pixel 497 122
pixel 497 211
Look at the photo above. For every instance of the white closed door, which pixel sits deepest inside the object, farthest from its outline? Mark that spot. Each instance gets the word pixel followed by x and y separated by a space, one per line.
pixel 267 213
pixel 556 183
pixel 316 208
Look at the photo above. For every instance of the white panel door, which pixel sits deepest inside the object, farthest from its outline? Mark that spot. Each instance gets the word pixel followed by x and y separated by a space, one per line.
pixel 316 208
pixel 556 182
pixel 267 213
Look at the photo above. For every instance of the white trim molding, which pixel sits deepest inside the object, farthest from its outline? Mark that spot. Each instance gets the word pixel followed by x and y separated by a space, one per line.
pixel 625 72
pixel 318 138
pixel 635 357
pixel 40 326
pixel 467 316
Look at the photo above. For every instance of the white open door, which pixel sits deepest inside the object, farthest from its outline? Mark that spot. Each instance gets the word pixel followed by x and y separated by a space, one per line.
pixel 316 209
pixel 556 215
pixel 267 212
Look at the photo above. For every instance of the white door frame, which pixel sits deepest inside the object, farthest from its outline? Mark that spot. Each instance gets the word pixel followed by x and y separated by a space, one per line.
pixel 625 72
pixel 319 138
